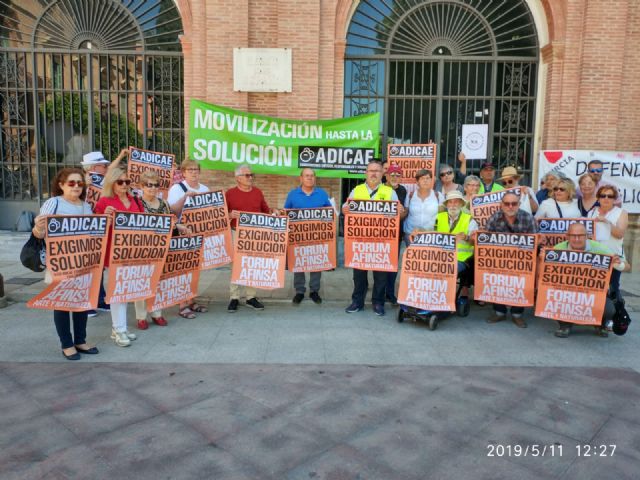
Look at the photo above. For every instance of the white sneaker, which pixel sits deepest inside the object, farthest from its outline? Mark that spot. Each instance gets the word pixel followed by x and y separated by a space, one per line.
pixel 120 338
pixel 130 336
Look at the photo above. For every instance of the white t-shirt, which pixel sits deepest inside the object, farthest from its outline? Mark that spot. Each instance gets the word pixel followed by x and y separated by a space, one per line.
pixel 549 209
pixel 176 192
pixel 603 230
pixel 422 213
pixel 525 204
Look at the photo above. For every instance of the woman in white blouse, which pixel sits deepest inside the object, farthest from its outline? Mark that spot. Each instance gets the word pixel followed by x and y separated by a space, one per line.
pixel 421 205
pixel 563 204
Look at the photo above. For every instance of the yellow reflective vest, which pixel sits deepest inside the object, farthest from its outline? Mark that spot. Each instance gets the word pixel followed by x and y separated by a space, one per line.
pixel 465 249
pixel 361 193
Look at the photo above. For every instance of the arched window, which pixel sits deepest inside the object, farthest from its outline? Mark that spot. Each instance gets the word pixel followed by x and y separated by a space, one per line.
pixel 431 66
pixel 83 75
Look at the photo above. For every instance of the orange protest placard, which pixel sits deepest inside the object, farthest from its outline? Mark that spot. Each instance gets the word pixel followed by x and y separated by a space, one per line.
pixel 485 205
pixel 505 266
pixel 75 250
pixel 554 230
pixel 94 189
pixel 429 272
pixel 139 246
pixel 573 285
pixel 371 230
pixel 260 251
pixel 411 158
pixel 312 239
pixel 180 274
pixel 207 215
pixel 144 160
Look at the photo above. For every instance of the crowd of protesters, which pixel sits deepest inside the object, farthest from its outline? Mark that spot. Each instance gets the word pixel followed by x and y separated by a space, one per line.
pixel 440 205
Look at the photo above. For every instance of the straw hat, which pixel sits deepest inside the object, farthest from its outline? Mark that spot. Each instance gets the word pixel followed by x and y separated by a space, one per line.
pixel 508 172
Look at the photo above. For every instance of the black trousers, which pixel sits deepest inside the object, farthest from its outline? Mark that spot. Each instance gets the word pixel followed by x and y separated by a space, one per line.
pixel 361 283
pixel 62 321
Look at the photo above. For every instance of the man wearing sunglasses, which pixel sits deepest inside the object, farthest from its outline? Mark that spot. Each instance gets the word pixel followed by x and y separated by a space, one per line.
pixel 510 219
pixel 510 179
pixel 244 197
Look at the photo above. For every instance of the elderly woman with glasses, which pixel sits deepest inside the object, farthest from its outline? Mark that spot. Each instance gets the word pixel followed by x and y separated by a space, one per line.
pixel 116 197
pixel 178 194
pixel 611 223
pixel 510 179
pixel 563 204
pixel 150 182
pixel 68 191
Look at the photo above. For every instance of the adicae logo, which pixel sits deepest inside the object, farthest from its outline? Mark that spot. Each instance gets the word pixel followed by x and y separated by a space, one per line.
pixel 307 155
pixel 135 154
pixel 54 225
pixel 121 220
pixel 292 215
pixel 544 225
pixel 394 151
pixel 244 218
pixel 552 256
pixel 483 237
pixel 353 205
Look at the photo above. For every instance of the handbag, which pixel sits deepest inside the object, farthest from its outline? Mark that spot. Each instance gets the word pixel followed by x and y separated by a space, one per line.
pixel 621 318
pixel 32 254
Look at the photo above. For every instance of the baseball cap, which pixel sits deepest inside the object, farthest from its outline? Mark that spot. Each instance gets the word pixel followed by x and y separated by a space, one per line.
pixel 487 165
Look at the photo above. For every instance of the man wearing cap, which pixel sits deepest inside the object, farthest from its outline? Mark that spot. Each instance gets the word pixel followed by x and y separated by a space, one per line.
pixel 372 189
pixel 455 220
pixel 95 163
pixel 577 240
pixel 488 175
pixel 510 219
pixel 394 174
pixel 307 195
pixel 510 178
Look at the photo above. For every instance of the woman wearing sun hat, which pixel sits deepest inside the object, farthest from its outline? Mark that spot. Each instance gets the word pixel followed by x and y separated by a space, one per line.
pixel 510 178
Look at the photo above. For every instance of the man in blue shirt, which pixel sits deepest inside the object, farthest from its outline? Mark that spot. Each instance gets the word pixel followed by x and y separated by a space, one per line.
pixel 307 195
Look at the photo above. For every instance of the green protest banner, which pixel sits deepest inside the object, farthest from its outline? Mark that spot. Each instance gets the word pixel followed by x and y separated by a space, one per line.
pixel 221 138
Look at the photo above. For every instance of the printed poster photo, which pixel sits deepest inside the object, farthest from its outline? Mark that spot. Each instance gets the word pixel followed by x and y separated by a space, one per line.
pixel 139 246
pixel 552 231
pixel 371 229
pixel 486 204
pixel 163 164
pixel 260 251
pixel 573 285
pixel 505 268
pixel 75 251
pixel 180 273
pixel 312 239
pixel 429 272
pixel 207 215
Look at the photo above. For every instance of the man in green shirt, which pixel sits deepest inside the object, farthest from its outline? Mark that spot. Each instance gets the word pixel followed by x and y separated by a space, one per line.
pixel 577 240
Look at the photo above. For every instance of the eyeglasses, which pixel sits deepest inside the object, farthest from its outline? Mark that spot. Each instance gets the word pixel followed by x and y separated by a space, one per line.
pixel 123 182
pixel 442 174
pixel 192 170
pixel 576 235
pixel 609 196
pixel 596 170
pixel 152 185
pixel 510 204
pixel 395 175
pixel 559 189
pixel 75 183
pixel 246 175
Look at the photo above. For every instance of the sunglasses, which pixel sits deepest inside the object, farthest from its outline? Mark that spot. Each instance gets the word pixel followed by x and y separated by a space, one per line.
pixel 75 183
pixel 123 182
pixel 152 185
pixel 596 170
pixel 559 189
pixel 509 182
pixel 247 175
pixel 610 196
pixel 511 204
pixel 442 174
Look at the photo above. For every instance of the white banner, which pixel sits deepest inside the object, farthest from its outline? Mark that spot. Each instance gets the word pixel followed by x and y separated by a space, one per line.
pixel 621 169
pixel 474 141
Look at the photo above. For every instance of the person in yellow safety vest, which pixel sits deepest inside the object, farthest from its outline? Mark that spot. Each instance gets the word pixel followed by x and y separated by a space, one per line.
pixel 455 220
pixel 488 175
pixel 372 189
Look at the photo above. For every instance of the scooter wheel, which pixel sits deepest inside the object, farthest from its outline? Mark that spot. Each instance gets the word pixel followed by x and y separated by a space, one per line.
pixel 433 322
pixel 400 315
